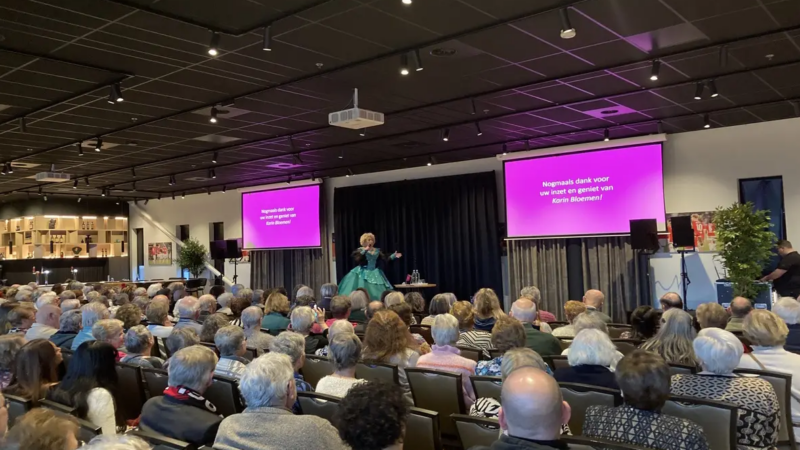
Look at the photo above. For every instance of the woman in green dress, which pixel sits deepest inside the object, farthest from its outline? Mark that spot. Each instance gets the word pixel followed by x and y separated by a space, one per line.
pixel 367 274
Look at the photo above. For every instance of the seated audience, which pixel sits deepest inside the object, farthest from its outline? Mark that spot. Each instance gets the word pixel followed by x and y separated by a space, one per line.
pixel 373 417
pixel 5 309
pixel 594 299
pixel 276 309
pixel 513 359
pixel 358 304
pixel 118 442
pixel 417 302
pixel 326 293
pixel 238 305
pixel 487 309
pixel 542 342
pixel 674 339
pixel 69 327
pixel 533 412
pixel 469 337
pixel 719 352
pixel 767 333
pixel 533 294
pixel 591 356
pixel 153 289
pixel 645 321
pixel 158 322
pixel 404 311
pixel 507 333
pixel 644 380
pixel 251 322
pixel 43 429
pixel 388 341
pixel 130 315
pixel 788 309
pixel 211 325
pixel 671 300
pixel 207 305
pixel 70 304
pixel 9 347
pixel 338 327
pixel 110 331
pixel 572 309
pixel 90 314
pixel 35 370
pixel 181 338
pixel 344 354
pixel 182 412
pixel 292 345
pixel 47 323
pixel 118 300
pixel 439 305
pixel 340 308
pixel 302 290
pixel 303 318
pixel 739 309
pixel 216 291
pixel 711 315
pixel 21 319
pixel 372 308
pixel 268 388
pixel 91 386
pixel 393 298
pixel 224 300
pixel 446 357
pixel 139 345
pixel 188 312
pixel 232 347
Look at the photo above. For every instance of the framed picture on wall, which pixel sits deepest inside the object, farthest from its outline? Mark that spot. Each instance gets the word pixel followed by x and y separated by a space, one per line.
pixel 159 254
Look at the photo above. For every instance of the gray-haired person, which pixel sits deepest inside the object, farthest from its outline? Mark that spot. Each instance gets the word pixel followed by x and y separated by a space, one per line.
pixel 69 327
pixel 327 292
pixel 91 313
pixel 291 344
pixel 344 353
pixel 251 322
pixel 139 345
pixel 232 345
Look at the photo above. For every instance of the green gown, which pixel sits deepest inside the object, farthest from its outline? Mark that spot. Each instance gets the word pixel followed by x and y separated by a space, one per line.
pixel 367 274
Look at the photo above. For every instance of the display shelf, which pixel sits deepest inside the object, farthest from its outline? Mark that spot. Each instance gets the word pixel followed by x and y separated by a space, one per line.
pixel 29 237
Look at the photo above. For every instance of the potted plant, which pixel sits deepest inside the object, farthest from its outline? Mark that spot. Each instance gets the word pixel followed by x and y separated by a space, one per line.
pixel 745 242
pixel 192 257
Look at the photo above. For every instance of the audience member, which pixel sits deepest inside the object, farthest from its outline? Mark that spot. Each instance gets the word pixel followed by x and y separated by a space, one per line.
pixel 9 347
pixel 344 354
pixel 258 299
pixel 251 321
pixel 47 323
pixel 788 309
pixel 340 307
pixel 644 380
pixel 70 305
pixel 90 314
pixel 212 324
pixel 268 387
pixel 487 309
pixel 153 289
pixel 177 291
pixel 91 385
pixel 158 319
pixel 188 313
pixel 388 341
pixel 118 442
pixel 507 333
pixel 417 302
pixel 393 298
pixel 303 291
pixel 292 345
pixel 594 300
pixel 719 352
pixel 5 310
pixel 591 356
pixel 671 300
pixel 118 300
pixel 439 305
pixel 35 370
pixel 533 294
pixel 232 347
pixel 110 331
pixel 372 308
pixel 338 327
pixel 373 417
pixel 533 412
pixel 403 310
pixel 326 293
pixel 130 315
pixel 180 339
pixel 238 287
pixel 139 345
pixel 739 308
pixel 46 298
pixel 767 333
pixel 276 309
pixel 445 356
pixel 644 323
pixel 674 339
pixel 224 300
pixel 481 340
pixel 182 412
pixel 572 309
pixel 21 319
pixel 541 342
pixel 69 327
pixel 384 294
pixel 43 429
pixel 207 305
pixel 238 305
pixel 303 318
pixel 358 306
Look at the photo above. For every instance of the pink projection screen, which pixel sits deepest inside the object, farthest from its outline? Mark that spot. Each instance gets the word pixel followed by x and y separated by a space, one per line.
pixel 588 193
pixel 281 218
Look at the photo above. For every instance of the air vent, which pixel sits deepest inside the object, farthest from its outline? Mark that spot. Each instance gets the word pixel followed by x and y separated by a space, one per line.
pixel 609 112
pixel 227 112
pixel 199 179
pixel 283 166
pixel 408 145
pixel 217 139
pixel 443 52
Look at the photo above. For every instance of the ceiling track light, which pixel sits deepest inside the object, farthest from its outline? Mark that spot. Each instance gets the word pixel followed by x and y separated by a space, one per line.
pixel 103 193
pixel 362 132
pixel 417 61
pixel 712 88
pixel 289 179
pixel 407 2
pixel 706 121
pixel 267 42
pixel 291 142
pixel 212 173
pixel 313 176
pixel 45 198
pixel 213 118
pixel 431 161
pixel 655 70
pixel 159 195
pixel 23 125
pixel 723 56
pixel 296 159
pixel 213 46
pixel 606 135
pixel 567 32
pixel 133 186
pixel 115 94
pixel 698 90
pixel 98 145
pixel 527 144
pixel 478 130
pixel 183 195
pixel 133 172
pixel 505 149
pixel 472 103
pixel 215 157
pixel 224 189
pixel 349 173
pixel 208 190
pixel 3 172
pixel 404 64
pixel 660 127
pixel 173 196
pixel 79 199
pixel 446 135
pixel 75 184
pixel 796 108
pixel 87 181
pixel 79 145
pixel 40 190
pixel 9 168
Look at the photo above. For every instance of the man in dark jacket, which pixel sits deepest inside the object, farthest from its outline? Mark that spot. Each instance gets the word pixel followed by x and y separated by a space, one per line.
pixel 545 344
pixel 69 326
pixel 182 412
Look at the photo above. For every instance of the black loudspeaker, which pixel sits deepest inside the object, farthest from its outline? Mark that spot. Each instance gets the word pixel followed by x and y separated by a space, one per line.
pixel 682 231
pixel 644 234
pixel 232 249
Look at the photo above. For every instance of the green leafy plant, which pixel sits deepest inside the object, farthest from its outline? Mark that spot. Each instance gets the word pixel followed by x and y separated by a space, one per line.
pixel 192 256
pixel 745 242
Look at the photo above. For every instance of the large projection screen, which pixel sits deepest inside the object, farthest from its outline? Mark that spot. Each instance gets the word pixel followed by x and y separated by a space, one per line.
pixel 281 218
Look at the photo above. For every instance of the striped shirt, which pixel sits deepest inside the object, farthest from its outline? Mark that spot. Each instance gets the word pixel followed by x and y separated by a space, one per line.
pixel 481 340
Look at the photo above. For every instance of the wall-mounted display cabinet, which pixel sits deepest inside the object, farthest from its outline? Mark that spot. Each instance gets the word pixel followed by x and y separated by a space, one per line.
pixel 71 237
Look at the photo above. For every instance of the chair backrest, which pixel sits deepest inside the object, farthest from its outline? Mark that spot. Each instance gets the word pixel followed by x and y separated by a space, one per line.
pixel 486 387
pixel 626 346
pixel 87 430
pixel 160 441
pixel 211 346
pixel 717 419
pixel 681 369
pixel 557 324
pixel 782 383
pixel 470 353
pixel 224 394
pixel 250 353
pixel 494 353
pixel 557 362
pixel 315 368
pixel 599 443
pixel 320 405
pixel 424 331
pixel 581 396
pixel 156 350
pixel 615 330
pixel 155 381
pixel 422 430
pixel 58 407
pixel 438 391
pixel 565 342
pixel 476 431
pixel 373 371
pixel 17 406
pixel 131 394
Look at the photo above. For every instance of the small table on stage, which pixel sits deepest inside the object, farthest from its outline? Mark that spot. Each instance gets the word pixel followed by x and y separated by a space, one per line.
pixel 414 287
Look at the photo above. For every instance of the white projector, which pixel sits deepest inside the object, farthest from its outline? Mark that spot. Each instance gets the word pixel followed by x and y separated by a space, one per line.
pixel 355 118
pixel 52 177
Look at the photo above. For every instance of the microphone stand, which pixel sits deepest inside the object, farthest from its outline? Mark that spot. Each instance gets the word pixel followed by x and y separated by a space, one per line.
pixel 685 281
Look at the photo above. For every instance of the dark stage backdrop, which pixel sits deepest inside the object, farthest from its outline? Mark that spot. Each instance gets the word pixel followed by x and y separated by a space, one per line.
pixel 445 227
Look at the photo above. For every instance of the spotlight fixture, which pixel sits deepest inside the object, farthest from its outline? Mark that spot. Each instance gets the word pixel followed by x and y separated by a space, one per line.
pixel 133 186
pixel 407 2
pixel 212 173
pixel 505 149
pixel 267 44
pixel 214 158
pixel 98 145
pixel 115 94
pixel 183 195
pixel 289 179
pixel 404 64
pixel 567 32
pixel 706 121
pixel 606 135
pixel 213 49
pixel 103 193
pixel 698 90
pixel 291 143
pixel 417 61
pixel 208 190
pixel 430 160
pixel 712 87
pixel 146 201
pixel 9 168
pixel 362 132
pixel 313 176
pixel 660 127
pixel 224 189
pixel 3 172
pixel 527 144
pixel 23 125
pixel 796 108
pixel 118 199
pixel 472 103
pixel 79 145
pixel 87 181
pixel 173 196
pixel 45 198
pixel 349 172
pixel 723 56
pixel 296 159
pixel 213 118
pixel 446 135
pixel 40 190
pixel 478 129
pixel 133 172
pixel 75 184
pixel 655 69
pixel 159 195
pixel 79 199
pixel 341 154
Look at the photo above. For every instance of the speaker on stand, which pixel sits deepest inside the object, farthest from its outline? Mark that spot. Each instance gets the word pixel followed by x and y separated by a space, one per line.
pixel 683 238
pixel 644 240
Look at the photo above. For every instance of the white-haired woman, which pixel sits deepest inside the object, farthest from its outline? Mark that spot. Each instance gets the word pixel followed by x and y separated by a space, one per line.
pixel 719 352
pixel 366 274
pixel 788 309
pixel 336 328
pixel 591 356
pixel 344 354
pixel 767 334
pixel 445 356
pixel 302 319
pixel 674 339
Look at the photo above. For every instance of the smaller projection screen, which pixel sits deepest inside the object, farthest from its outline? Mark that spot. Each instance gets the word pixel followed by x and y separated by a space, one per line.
pixel 587 193
pixel 281 218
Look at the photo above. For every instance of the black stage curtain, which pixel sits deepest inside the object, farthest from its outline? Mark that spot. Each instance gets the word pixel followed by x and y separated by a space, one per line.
pixel 445 227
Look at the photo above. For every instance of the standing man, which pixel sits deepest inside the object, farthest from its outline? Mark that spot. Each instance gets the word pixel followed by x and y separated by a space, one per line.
pixel 786 278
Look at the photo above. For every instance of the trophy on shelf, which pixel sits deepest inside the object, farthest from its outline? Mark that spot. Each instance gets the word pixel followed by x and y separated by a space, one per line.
pixel 77 250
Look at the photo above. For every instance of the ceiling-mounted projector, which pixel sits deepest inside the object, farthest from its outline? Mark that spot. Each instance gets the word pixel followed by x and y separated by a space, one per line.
pixel 355 118
pixel 52 176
